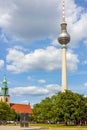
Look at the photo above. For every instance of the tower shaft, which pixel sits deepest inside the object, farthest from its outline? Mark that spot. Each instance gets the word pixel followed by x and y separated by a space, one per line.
pixel 64 69
pixel 64 39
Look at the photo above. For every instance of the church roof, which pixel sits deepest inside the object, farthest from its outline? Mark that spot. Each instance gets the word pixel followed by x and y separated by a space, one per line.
pixel 21 108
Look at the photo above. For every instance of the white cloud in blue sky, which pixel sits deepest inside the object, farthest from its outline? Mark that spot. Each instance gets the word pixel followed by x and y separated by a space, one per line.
pixel 85 84
pixel 35 90
pixel 50 58
pixel 30 54
pixel 30 20
pixel 1 63
pixel 41 81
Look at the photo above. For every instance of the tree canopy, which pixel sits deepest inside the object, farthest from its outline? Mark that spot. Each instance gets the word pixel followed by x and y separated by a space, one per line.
pixel 6 113
pixel 62 107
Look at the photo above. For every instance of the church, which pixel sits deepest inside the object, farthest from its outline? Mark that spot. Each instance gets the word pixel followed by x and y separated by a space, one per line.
pixel 5 97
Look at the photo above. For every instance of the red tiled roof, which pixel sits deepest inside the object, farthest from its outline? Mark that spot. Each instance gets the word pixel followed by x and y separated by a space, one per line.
pixel 21 108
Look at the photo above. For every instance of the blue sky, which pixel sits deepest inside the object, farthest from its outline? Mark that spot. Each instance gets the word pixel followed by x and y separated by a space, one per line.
pixel 30 55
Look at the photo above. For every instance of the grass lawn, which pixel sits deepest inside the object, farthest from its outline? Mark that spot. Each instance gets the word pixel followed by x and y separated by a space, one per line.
pixel 57 127
pixel 75 128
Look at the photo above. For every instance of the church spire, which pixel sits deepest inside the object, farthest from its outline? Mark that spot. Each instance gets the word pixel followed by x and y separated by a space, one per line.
pixel 4 97
pixel 4 89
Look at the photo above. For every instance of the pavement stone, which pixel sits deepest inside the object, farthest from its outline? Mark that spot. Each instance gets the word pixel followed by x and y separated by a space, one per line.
pixel 18 128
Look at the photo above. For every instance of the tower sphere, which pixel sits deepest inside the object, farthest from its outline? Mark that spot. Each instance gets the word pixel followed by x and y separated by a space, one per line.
pixel 64 37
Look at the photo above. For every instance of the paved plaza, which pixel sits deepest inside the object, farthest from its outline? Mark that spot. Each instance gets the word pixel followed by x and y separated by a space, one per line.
pixel 18 128
pixel 9 127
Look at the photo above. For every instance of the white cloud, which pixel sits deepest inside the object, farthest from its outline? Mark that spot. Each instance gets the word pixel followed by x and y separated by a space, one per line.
pixel 37 19
pixel 31 90
pixel 48 59
pixel 55 42
pixel 42 81
pixel 79 28
pixel 85 42
pixel 6 10
pixel 72 60
pixel 1 63
pixel 35 90
pixel 53 88
pixel 3 37
pixel 27 20
pixel 85 84
pixel 84 62
pixel 20 48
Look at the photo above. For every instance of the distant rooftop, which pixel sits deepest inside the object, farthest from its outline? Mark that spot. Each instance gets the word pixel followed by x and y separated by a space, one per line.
pixel 21 108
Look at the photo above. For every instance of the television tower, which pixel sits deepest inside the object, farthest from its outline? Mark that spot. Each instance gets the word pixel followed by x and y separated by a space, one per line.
pixel 64 39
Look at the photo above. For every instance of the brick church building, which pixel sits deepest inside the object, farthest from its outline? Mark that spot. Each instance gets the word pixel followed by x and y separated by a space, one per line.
pixel 5 97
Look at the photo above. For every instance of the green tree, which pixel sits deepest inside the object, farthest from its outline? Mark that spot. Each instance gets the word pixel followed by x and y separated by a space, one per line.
pixel 71 106
pixel 43 111
pixel 67 107
pixel 6 113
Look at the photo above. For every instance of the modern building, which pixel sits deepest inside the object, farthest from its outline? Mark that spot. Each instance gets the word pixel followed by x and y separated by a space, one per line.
pixel 64 39
pixel 5 97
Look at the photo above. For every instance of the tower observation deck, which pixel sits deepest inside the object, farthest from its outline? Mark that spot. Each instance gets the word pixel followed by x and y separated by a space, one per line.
pixel 64 39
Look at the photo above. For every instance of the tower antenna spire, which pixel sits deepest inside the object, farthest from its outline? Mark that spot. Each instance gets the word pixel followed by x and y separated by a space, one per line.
pixel 64 39
pixel 63 10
